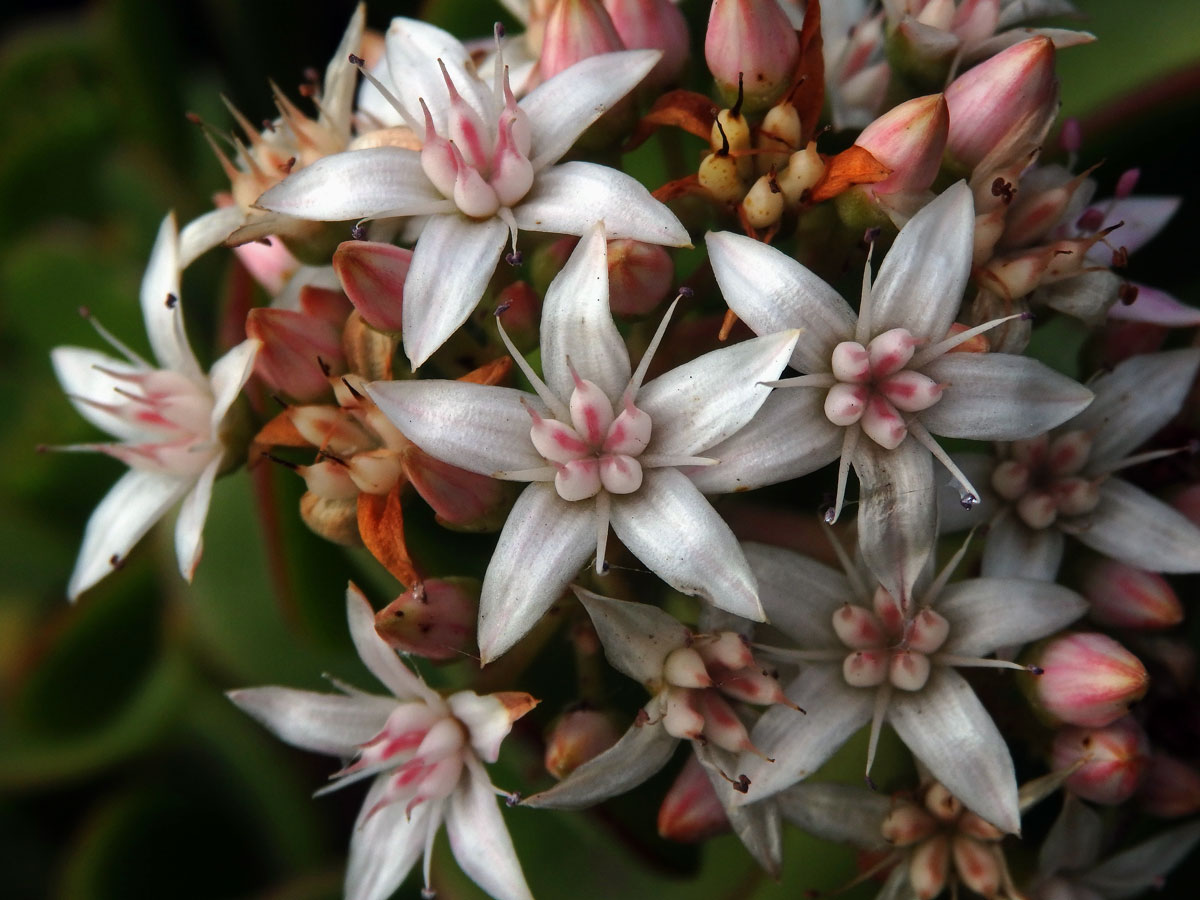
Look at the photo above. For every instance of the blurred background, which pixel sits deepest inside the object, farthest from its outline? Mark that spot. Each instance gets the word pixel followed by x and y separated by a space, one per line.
pixel 124 772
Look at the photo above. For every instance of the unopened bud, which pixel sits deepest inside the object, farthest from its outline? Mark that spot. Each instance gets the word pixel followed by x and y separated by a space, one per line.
pixel 1122 596
pixel 941 803
pixel 979 865
pixel 653 25
pixel 639 276
pixel 910 140
pixel 434 618
pixel 578 736
pixel 929 866
pixel 372 275
pixel 684 668
pixel 299 352
pixel 804 169
pixel 718 174
pixel 1170 788
pixel 1088 679
pixel 779 136
pixel 576 30
pixel 763 203
pixel 1112 760
pixel 751 41
pixel 691 811
pixel 726 649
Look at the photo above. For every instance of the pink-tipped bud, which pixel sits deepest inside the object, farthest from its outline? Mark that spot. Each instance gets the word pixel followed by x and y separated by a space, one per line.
pixel 630 431
pixel 910 140
pixel 1122 596
pixel 1088 679
pixel 653 25
pixel 576 30
pixel 752 685
pixel 866 668
pixel 639 276
pixel 858 628
pixel 721 725
pixel 911 391
pixel 1068 453
pixel 1113 759
pixel 512 172
pixel 1010 479
pixel 434 618
pixel 299 352
pixel 909 671
pixel 929 866
pixel 846 403
pixel 691 811
pixel 979 865
pixel 591 411
pixel 726 649
pixel 882 424
pixel 890 352
pixel 1170 788
pixel 372 275
pixel 851 362
pixel 752 39
pixel 578 736
pixel 578 479
pixel 684 668
pixel 460 499
pixel 1003 104
pixel 681 718
pixel 906 824
pixel 928 631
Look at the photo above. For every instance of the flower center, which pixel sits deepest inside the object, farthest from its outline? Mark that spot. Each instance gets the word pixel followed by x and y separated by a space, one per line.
pixel 874 387
pixel 1042 479
pixel 886 646
pixel 598 449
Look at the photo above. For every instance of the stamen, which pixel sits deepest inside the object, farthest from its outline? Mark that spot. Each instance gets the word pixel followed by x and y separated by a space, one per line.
pixel 977 662
pixel 540 473
pixel 1138 459
pixel 849 442
pixel 427 892
pixel 636 381
pixel 658 461
pixel 544 393
pixel 918 431
pixel 815 380
pixel 506 216
pixel 784 655
pixel 848 567
pixel 112 339
pixel 882 696
pixel 945 346
pixel 947 570
pixel 602 514
pixel 862 329
pixel 361 64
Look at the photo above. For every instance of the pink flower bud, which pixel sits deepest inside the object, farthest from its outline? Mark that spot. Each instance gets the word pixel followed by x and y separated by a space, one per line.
pixel 653 25
pixel 1124 597
pixel 578 736
pixel 1113 760
pixel 684 668
pixel 1170 788
pixel 434 618
pixel 1089 679
pixel 298 353
pixel 691 811
pixel 372 275
pixel 639 276
pixel 271 264
pixel 1002 104
pixel 752 39
pixel 910 140
pixel 575 30
pixel 460 499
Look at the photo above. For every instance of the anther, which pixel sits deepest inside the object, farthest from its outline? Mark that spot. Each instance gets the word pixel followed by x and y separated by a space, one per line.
pixel 357 60
pixel 324 366
pixel 685 293
pixel 513 799
pixel 171 301
pixel 514 258
pixel 1127 293
pixel 116 561
pixel 870 782
pixel 1035 670
pixel 502 308
pixel 359 232
pixel 968 501
pixel 870 236
pixel 498 30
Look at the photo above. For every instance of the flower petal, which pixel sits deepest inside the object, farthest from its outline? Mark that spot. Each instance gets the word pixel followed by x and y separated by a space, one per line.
pixel 477 427
pixel 334 724
pixel 382 661
pixel 1138 529
pixel 78 370
pixel 562 108
pixel 988 613
pixel 770 291
pixel 637 637
pixel 711 398
pixel 999 397
pixel 952 515
pixel 577 324
pixel 357 184
pixel 207 231
pixel 757 825
pixel 1141 217
pixel 135 502
pixel 1134 401
pixel 897 514
pixel 189 526
pixel 920 284
pixel 1157 307
pixel 671 528
pixel 800 743
pixel 386 843
pixel 949 731
pixel 545 542
pixel 228 376
pixel 641 752
pixel 1075 839
pixel 1145 866
pixel 754 457
pixel 1012 548
pixel 479 838
pixel 414 49
pixel 451 266
pixel 799 594
pixel 160 304
pixel 837 812
pixel 614 198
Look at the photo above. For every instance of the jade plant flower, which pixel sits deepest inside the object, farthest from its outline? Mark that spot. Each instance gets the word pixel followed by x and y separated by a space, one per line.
pixel 485 170
pixel 425 754
pixel 598 447
pixel 169 421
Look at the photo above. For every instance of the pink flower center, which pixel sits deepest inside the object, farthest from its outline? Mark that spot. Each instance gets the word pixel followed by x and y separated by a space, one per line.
pixel 1042 480
pixel 886 646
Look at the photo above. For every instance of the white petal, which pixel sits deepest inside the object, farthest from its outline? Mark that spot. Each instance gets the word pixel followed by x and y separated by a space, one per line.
pixel 487 721
pixel 357 184
pixel 160 304
pixel 228 376
pixel 1075 839
pixel 1014 13
pixel 1012 548
pixel 838 812
pixel 800 743
pixel 577 324
pixel 207 231
pixel 480 840
pixel 1145 866
pixel 1088 296
pixel 413 51
pixel 562 108
pixel 78 371
pixel 1134 401
pixel 999 397
pixel 703 402
pixel 799 594
pixel 988 613
pixel 135 502
pixel 451 266
pixel 337 98
pixel 189 527
pixel 334 724
pixel 921 281
pixel 755 457
pixel 757 825
pixel 477 427
pixel 385 845
pixel 640 753
pixel 1138 529
pixel 545 542
pixel 947 729
pixel 382 661
pixel 897 515
pixel 637 637
pixel 671 528
pixel 571 197
pixel 770 292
